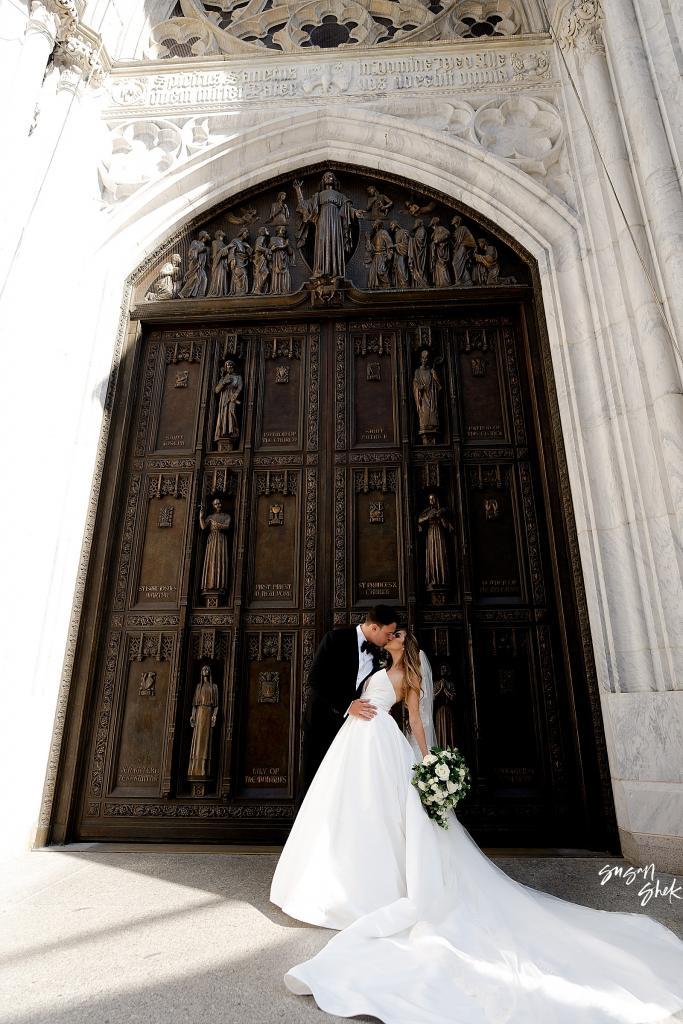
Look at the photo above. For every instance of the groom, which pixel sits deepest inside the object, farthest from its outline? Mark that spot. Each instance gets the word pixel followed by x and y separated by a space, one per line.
pixel 342 663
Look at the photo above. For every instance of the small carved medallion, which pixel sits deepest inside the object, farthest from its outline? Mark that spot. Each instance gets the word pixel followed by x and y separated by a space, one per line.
pixel 166 515
pixel 282 375
pixel 479 366
pixel 376 512
pixel 148 684
pixel 268 688
pixel 182 379
pixel 491 508
pixel 276 514
pixel 374 371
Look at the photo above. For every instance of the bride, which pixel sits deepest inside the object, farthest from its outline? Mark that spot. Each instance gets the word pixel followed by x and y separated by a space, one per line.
pixel 430 930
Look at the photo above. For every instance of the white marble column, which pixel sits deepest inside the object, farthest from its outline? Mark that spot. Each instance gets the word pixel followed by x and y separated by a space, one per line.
pixel 652 155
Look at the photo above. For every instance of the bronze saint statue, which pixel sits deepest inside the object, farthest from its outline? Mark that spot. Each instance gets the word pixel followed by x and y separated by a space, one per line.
pixel 332 214
pixel 279 211
pixel 220 273
pixel 261 273
pixel 379 252
pixel 486 269
pixel 444 700
pixel 165 285
pixel 229 388
pixel 196 280
pixel 239 255
pixel 203 721
pixel 436 553
pixel 463 247
pixel 283 258
pixel 417 255
pixel 439 254
pixel 401 273
pixel 216 567
pixel 426 388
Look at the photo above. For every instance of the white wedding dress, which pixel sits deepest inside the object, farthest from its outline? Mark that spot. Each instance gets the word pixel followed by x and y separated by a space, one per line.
pixel 431 931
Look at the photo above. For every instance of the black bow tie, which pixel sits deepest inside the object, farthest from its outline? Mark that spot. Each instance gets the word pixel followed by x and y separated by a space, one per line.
pixel 368 646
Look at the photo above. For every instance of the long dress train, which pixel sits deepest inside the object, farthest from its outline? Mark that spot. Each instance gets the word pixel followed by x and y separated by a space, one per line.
pixel 432 931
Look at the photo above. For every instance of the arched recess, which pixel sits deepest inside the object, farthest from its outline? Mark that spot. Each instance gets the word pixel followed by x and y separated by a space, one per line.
pixel 516 209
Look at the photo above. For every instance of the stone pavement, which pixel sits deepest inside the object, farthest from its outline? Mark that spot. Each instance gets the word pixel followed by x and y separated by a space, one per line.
pixel 105 934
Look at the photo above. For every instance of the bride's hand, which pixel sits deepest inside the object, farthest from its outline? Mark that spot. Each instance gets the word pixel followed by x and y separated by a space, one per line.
pixel 362 708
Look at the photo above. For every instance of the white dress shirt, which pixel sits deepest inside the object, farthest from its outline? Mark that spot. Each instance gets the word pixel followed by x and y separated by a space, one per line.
pixel 364 661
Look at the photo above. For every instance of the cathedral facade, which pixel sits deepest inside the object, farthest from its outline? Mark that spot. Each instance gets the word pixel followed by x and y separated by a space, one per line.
pixel 314 305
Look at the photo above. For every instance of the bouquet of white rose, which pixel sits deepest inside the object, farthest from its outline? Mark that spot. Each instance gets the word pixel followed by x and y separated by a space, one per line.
pixel 442 779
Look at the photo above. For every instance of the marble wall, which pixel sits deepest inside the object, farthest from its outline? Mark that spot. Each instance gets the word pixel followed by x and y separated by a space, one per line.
pixel 123 153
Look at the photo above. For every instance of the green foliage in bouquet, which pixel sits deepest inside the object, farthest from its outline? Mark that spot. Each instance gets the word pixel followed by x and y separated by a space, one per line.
pixel 442 779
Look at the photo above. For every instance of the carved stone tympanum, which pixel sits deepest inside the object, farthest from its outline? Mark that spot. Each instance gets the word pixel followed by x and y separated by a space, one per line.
pixel 203 722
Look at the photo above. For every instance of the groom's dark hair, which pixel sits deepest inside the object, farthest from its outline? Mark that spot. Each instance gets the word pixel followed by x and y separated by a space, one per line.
pixel 381 615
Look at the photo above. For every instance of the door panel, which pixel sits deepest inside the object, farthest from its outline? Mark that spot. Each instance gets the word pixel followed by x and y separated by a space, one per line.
pixel 414 440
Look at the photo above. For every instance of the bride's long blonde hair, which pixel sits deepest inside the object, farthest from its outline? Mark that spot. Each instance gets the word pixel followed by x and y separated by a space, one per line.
pixel 413 667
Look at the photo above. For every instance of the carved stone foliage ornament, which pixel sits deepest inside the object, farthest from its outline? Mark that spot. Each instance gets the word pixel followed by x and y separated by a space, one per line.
pixel 321 237
pixel 209 26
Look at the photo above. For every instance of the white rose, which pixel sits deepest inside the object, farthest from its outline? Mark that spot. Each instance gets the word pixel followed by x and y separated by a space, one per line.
pixel 422 785
pixel 451 786
pixel 429 759
pixel 462 773
pixel 442 771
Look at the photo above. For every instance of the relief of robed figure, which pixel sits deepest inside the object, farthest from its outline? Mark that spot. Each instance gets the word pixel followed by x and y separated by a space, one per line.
pixel 434 517
pixel 203 721
pixel 332 214
pixel 216 568
pixel 426 388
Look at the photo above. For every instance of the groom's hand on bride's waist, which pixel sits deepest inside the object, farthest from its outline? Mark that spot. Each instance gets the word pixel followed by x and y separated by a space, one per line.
pixel 362 708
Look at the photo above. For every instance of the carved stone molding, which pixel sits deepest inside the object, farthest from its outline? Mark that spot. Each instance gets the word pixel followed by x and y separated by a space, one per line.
pixel 581 28
pixel 78 56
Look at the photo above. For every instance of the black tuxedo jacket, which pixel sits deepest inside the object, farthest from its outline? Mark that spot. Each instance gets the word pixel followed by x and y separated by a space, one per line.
pixel 331 688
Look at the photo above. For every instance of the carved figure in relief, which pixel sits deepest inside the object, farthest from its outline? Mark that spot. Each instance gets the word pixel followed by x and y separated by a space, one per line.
pixel 417 255
pixel 379 251
pixel 486 269
pixel 229 387
pixel 279 211
pixel 196 280
pixel 439 254
pixel 332 215
pixel 426 388
pixel 444 700
pixel 401 272
pixel 220 274
pixel 261 262
pixel 203 721
pixel 417 209
pixel 215 578
pixel 378 206
pixel 283 258
pixel 434 517
pixel 463 247
pixel 239 255
pixel 165 285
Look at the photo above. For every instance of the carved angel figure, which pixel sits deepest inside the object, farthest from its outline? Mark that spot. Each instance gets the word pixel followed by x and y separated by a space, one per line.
pixel 216 567
pixel 165 285
pixel 203 721
pixel 279 211
pixel 196 280
pixel 378 205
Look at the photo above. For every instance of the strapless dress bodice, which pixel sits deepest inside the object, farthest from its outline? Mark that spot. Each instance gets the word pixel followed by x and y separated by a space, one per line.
pixel 380 691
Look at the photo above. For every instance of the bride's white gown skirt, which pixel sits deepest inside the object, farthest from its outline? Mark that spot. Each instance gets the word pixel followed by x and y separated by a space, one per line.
pixel 433 931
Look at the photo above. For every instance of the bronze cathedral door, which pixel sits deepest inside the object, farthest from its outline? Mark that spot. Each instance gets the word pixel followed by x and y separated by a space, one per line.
pixel 281 470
